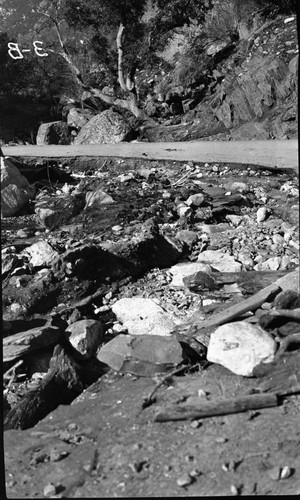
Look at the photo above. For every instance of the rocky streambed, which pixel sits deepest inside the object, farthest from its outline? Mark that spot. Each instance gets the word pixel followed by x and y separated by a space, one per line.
pixel 119 275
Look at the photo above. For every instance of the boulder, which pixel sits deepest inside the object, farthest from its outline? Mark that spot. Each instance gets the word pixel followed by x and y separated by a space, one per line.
pixel 143 316
pixel 86 336
pixel 220 261
pixel 41 254
pixel 182 270
pixel 77 118
pixel 105 128
pixel 15 189
pixel 240 347
pixel 143 356
pixel 53 133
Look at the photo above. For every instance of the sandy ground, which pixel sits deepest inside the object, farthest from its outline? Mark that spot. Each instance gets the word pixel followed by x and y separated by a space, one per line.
pixel 273 153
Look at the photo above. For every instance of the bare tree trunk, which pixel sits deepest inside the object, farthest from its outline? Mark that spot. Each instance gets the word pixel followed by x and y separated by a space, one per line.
pixel 131 104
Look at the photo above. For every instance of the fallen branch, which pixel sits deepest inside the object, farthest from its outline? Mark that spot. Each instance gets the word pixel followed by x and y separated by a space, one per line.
pixel 149 399
pixel 293 314
pixel 235 311
pixel 218 407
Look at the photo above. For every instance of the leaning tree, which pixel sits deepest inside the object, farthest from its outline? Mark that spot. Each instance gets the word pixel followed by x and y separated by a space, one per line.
pixel 120 35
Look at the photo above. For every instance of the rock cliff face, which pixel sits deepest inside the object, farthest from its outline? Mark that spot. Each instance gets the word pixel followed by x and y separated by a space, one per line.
pixel 255 94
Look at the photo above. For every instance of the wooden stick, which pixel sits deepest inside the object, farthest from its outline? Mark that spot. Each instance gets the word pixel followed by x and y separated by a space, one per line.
pixel 233 312
pixel 286 313
pixel 218 407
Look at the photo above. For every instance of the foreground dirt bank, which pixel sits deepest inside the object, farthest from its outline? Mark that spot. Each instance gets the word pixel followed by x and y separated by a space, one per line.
pixel 281 154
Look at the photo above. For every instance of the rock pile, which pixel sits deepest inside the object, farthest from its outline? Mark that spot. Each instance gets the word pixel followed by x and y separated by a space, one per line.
pixel 131 268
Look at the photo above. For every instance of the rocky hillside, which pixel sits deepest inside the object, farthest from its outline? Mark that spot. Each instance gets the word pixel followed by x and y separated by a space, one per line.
pixel 248 90
pixel 253 91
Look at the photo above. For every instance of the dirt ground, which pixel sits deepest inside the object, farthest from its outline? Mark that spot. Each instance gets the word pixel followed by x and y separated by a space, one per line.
pixel 105 445
pixel 110 447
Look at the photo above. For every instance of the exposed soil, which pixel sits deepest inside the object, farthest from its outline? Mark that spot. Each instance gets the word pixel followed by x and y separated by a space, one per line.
pixel 105 444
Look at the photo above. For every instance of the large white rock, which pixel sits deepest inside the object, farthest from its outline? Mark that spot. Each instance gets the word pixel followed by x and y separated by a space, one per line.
pixel 86 336
pixel 220 261
pixel 15 189
pixel 240 347
pixel 41 254
pixel 183 269
pixel 143 316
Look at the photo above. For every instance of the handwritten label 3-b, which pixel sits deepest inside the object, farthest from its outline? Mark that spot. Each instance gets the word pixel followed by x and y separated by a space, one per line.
pixel 16 53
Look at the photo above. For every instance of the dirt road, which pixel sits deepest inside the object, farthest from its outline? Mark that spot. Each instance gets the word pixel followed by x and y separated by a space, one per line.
pixel 272 153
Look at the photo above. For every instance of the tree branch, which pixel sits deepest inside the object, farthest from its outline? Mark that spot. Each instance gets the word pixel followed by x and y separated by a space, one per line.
pixel 120 58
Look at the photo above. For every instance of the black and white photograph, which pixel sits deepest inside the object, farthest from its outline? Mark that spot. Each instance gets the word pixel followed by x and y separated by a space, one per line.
pixel 149 248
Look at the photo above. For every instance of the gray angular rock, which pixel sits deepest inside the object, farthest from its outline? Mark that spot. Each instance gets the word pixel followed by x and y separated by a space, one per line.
pixel 53 133
pixel 143 356
pixel 86 336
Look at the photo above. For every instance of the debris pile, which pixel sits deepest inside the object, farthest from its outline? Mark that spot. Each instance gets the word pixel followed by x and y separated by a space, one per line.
pixel 153 269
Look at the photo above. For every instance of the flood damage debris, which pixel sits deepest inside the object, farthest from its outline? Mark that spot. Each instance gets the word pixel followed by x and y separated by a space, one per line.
pixel 139 287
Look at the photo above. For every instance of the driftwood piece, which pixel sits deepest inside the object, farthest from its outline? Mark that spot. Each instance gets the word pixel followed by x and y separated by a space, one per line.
pixel 66 379
pixel 293 314
pixel 290 342
pixel 249 282
pixel 20 344
pixel 236 310
pixel 218 407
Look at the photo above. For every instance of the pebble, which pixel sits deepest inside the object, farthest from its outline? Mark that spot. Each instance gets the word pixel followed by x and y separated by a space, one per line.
pixel 184 480
pixel 277 239
pixel 261 214
pixel 289 20
pixel 286 472
pixel 221 439
pixel 234 490
pixel 274 473
pixel 195 424
pixel 49 490
pixel 56 455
